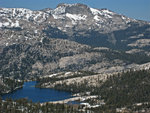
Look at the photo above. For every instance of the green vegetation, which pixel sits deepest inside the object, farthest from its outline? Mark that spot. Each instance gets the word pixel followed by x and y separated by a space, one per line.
pixel 9 85
pixel 139 58
pixel 126 89
pixel 129 90
pixel 22 61
pixel 40 81
pixel 122 90
pixel 25 106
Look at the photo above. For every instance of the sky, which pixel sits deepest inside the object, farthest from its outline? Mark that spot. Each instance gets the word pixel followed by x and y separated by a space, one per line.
pixel 137 9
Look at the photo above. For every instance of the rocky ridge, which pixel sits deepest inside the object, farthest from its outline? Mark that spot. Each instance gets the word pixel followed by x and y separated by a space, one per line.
pixel 76 22
pixel 32 42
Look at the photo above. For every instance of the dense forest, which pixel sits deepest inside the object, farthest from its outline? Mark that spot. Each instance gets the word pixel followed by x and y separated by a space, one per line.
pixel 128 91
pixel 9 85
pixel 122 90
pixel 138 58
pixel 25 106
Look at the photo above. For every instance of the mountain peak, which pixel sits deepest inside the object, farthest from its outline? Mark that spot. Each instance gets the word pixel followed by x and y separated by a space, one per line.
pixel 71 5
pixel 73 8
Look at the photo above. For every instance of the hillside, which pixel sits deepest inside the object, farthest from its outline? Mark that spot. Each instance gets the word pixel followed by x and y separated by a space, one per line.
pixel 70 37
pixel 122 92
pixel 56 55
pixel 76 22
pixel 100 56
pixel 8 85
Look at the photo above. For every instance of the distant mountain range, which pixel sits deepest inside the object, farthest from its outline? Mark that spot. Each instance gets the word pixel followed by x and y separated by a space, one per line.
pixel 70 37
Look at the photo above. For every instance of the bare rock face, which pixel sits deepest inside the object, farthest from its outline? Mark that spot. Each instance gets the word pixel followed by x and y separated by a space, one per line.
pixel 78 9
pixel 35 43
pixel 77 22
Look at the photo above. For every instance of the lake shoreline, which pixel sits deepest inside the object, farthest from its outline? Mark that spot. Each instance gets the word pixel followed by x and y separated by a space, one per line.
pixel 29 91
pixel 11 91
pixel 79 98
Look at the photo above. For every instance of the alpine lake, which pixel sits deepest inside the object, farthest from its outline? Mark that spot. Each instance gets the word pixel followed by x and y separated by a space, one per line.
pixel 30 92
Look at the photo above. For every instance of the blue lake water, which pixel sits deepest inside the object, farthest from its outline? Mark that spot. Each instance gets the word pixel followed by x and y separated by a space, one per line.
pixel 30 92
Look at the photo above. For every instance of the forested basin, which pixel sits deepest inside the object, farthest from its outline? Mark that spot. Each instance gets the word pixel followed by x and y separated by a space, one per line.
pixel 30 92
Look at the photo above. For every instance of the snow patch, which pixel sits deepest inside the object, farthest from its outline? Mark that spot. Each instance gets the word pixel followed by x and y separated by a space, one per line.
pixel 22 13
pixel 52 75
pixel 97 18
pixel 85 104
pixel 68 26
pixel 97 13
pixel 6 44
pixel 123 18
pixel 16 24
pixel 59 10
pixel 41 40
pixel 68 73
pixel 59 28
pixel 108 12
pixel 76 17
pixel 35 31
pixel 58 16
pixel 1 24
pixel 26 37
pixel 99 25
pixel 5 24
pixel 94 11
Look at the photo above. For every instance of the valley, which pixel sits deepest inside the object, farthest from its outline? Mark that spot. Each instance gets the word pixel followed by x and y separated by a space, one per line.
pixel 113 94
pixel 99 57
